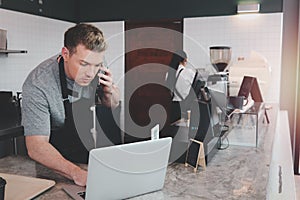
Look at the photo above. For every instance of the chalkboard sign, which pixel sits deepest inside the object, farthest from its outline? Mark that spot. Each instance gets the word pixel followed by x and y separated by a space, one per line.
pixel 195 155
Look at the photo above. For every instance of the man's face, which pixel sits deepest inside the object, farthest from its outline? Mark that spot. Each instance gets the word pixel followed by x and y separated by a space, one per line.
pixel 83 65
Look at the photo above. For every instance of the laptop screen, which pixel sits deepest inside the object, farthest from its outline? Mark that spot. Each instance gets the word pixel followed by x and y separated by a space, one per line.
pixel 127 170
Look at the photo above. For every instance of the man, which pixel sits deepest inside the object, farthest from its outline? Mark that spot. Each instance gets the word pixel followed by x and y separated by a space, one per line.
pixel 49 96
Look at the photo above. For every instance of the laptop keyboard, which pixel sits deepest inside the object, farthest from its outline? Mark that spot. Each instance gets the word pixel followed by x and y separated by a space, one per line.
pixel 81 194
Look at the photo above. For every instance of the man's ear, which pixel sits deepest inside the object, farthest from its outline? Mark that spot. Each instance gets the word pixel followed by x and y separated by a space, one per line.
pixel 65 53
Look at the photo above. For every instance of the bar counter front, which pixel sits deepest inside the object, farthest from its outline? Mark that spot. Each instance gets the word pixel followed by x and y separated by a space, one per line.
pixel 237 172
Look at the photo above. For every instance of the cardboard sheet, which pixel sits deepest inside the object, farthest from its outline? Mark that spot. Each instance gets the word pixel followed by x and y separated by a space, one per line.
pixel 23 187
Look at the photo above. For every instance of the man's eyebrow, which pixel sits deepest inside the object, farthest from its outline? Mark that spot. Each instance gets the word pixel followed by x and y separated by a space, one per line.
pixel 85 62
pixel 99 64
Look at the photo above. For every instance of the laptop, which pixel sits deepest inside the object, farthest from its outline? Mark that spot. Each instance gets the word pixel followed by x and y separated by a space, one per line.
pixel 124 171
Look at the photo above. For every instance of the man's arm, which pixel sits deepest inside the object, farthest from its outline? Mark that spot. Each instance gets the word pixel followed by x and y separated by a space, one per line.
pixel 40 150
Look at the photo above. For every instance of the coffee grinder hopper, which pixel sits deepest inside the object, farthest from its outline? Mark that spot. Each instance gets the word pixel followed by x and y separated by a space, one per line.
pixel 220 57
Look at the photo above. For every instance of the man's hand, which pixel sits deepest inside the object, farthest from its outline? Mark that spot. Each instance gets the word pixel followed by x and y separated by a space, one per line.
pixel 40 150
pixel 111 92
pixel 79 176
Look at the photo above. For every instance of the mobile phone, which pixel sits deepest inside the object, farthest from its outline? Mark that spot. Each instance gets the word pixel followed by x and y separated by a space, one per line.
pixel 99 87
pixel 103 65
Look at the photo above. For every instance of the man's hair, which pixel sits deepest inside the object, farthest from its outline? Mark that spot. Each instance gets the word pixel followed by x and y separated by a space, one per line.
pixel 85 34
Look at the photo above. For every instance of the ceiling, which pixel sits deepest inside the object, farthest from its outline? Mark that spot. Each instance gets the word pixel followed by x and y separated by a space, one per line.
pixel 96 10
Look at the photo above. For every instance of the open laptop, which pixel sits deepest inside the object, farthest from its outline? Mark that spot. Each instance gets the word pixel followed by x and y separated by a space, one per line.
pixel 124 171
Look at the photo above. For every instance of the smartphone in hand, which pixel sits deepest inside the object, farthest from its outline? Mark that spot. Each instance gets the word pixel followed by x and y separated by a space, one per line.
pixel 99 86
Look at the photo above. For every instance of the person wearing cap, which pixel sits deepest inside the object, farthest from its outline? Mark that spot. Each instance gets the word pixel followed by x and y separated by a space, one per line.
pixel 179 80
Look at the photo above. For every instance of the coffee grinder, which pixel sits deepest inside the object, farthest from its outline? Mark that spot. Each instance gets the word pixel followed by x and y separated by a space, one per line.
pixel 220 57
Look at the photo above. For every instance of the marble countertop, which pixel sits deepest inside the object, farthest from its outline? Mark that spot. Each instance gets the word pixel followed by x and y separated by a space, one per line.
pixel 238 172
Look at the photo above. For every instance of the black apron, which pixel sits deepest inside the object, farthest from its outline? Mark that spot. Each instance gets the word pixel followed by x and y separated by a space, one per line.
pixel 74 139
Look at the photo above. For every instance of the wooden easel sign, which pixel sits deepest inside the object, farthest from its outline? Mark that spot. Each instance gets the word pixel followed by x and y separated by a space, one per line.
pixel 195 155
pixel 250 86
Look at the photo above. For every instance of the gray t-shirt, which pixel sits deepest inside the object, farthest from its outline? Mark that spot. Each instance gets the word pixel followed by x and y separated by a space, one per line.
pixel 42 102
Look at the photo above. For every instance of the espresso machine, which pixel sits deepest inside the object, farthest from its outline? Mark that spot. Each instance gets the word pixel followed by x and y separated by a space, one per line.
pixel 206 126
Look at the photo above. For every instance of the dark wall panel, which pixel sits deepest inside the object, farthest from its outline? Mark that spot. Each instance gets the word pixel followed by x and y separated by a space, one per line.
pixel 95 10
pixel 58 9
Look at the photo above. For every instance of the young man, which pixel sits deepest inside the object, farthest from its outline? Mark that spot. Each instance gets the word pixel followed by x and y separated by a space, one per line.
pixel 52 92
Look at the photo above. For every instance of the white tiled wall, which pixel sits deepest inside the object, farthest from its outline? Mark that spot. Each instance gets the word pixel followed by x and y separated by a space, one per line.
pixel 244 33
pixel 41 37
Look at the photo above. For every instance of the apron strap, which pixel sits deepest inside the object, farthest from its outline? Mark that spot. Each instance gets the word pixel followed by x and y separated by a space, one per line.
pixel 65 91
